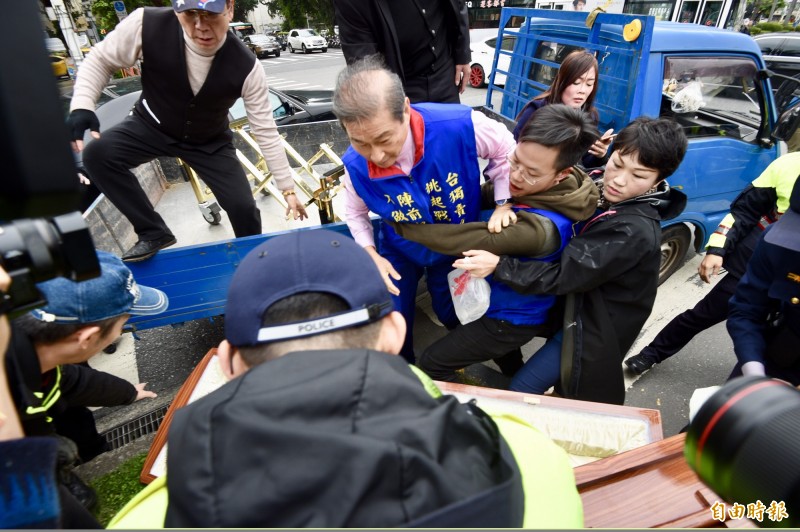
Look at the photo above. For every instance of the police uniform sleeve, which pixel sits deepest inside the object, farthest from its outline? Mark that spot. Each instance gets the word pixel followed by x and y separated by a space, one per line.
pixel 749 307
pixel 760 198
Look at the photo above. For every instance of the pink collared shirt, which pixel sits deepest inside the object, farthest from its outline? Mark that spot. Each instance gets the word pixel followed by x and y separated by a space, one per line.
pixel 493 142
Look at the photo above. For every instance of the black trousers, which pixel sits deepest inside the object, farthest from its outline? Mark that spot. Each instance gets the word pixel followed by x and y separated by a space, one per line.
pixel 133 142
pixel 77 423
pixel 709 311
pixel 434 86
pixel 481 340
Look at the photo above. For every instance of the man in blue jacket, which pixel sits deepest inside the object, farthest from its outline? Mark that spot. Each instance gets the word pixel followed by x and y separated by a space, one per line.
pixel 764 319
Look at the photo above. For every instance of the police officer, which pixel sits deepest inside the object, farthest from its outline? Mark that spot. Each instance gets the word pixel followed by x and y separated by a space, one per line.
pixel 731 246
pixel 764 320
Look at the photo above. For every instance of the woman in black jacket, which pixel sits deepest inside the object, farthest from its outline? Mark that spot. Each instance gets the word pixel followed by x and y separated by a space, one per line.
pixel 609 272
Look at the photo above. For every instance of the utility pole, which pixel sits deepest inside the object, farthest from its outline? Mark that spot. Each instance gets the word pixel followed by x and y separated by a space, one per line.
pixel 64 18
pixel 87 10
pixel 791 8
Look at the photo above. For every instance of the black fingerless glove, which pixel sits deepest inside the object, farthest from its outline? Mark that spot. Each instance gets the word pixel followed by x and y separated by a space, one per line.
pixel 79 121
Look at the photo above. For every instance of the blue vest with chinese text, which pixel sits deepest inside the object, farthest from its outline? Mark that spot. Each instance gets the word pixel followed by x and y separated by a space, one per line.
pixel 442 187
pixel 507 304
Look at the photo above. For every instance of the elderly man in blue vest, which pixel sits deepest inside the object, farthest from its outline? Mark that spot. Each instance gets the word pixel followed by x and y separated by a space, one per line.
pixel 195 70
pixel 414 163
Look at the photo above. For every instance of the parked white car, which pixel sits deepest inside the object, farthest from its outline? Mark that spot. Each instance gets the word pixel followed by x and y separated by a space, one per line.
pixel 306 40
pixel 482 43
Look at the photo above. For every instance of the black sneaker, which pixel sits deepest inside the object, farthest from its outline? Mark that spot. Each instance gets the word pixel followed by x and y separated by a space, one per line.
pixel 144 249
pixel 640 363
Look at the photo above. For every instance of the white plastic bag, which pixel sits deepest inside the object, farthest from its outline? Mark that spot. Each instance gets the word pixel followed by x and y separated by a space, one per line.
pixel 689 99
pixel 470 295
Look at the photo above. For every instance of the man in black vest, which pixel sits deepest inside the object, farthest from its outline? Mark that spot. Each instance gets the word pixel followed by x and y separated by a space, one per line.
pixel 195 69
pixel 425 42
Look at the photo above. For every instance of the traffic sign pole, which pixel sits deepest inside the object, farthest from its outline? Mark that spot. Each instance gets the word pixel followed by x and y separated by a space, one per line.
pixel 119 9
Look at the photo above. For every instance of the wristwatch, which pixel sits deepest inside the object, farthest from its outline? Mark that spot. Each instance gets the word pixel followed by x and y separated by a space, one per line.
pixel 501 202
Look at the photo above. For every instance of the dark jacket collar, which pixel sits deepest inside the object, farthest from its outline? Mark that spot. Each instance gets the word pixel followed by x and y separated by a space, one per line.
pixel 662 204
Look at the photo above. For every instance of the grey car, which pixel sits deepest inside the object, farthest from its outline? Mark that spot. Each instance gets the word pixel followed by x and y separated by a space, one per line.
pixel 263 45
pixel 781 52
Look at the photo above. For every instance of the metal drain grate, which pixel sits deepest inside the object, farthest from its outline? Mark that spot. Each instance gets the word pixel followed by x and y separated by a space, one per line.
pixel 136 428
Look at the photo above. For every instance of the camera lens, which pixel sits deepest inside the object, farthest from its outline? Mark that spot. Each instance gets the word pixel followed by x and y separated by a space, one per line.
pixel 28 243
pixel 36 250
pixel 743 443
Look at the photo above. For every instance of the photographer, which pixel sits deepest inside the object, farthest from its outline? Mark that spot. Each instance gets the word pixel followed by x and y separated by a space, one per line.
pixel 29 464
pixel 49 345
pixel 764 319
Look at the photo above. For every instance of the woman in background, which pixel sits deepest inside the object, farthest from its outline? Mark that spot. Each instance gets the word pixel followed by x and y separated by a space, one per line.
pixel 576 86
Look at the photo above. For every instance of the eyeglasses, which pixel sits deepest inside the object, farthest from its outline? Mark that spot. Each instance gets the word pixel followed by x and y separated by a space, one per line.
pixel 201 14
pixel 523 172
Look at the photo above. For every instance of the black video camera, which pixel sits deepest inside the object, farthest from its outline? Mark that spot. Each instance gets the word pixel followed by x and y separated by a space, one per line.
pixel 743 444
pixel 35 250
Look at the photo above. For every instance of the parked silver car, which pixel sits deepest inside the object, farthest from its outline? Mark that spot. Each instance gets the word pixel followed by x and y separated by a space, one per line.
pixel 781 52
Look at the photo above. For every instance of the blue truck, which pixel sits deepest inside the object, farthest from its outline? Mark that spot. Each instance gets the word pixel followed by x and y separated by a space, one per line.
pixel 732 124
pixel 711 81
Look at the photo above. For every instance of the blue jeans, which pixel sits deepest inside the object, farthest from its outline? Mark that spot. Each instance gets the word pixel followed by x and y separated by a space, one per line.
pixel 542 370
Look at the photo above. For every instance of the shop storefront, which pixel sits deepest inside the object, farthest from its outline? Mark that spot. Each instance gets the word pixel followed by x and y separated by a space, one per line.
pixel 720 13
pixel 486 13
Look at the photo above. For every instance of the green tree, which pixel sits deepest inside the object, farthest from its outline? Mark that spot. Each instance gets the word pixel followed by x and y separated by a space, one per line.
pixel 242 7
pixel 106 18
pixel 763 8
pixel 298 13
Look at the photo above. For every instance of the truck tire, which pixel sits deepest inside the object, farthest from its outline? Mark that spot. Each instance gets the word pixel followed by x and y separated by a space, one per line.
pixel 305 50
pixel 674 246
pixel 291 50
pixel 477 77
